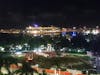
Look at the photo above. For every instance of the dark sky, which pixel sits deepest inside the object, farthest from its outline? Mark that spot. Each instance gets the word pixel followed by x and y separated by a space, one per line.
pixel 58 12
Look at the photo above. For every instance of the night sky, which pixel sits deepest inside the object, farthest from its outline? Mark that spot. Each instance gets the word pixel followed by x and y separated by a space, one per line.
pixel 46 12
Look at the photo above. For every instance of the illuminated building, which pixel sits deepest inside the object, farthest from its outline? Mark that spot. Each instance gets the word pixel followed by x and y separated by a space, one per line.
pixel 10 31
pixel 50 48
pixel 52 31
pixel 42 30
pixel 64 30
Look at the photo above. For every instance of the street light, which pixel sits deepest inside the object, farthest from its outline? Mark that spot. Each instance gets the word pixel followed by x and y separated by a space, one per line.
pixel 59 71
pixel 55 72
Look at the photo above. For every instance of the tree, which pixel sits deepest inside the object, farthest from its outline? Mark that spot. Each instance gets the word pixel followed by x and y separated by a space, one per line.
pixel 95 45
pixel 35 42
pixel 61 42
pixel 25 69
pixel 79 41
pixel 6 59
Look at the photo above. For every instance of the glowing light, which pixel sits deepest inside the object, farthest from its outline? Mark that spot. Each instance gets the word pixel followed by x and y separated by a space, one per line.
pixel 79 51
pixel 95 32
pixel 30 27
pixel 97 26
pixel 34 32
pixel 63 33
pixel 28 31
pixel 88 40
pixel 87 32
pixel 4 71
pixel 39 50
pixel 74 27
pixel 35 25
pixel 73 33
pixel 19 46
pixel 2 49
pixel 84 27
pixel 18 53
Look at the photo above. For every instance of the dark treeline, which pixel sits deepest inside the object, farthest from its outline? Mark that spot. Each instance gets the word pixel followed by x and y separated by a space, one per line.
pixel 78 41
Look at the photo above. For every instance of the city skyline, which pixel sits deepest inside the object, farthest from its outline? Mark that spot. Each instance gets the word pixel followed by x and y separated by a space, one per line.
pixel 45 37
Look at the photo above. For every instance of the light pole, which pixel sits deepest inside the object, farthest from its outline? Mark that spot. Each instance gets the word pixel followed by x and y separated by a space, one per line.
pixel 55 71
pixel 59 71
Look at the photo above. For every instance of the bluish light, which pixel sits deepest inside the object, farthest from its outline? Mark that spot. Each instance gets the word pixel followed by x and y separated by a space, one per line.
pixel 35 25
pixel 63 33
pixel 73 34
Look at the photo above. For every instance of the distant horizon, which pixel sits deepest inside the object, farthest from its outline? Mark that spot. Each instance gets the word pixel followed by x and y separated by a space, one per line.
pixel 22 26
